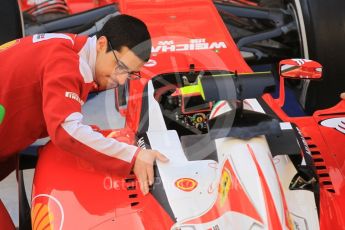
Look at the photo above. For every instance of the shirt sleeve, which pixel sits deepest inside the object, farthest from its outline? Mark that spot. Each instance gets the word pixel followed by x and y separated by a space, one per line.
pixel 62 87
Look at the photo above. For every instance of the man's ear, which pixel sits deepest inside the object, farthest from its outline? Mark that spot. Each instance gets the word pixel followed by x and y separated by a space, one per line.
pixel 102 44
pixel 342 96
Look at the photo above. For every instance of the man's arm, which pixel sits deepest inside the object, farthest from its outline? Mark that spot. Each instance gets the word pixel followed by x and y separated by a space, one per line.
pixel 62 87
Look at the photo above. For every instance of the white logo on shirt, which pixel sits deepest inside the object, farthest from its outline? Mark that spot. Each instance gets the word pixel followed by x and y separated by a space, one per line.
pixel 74 96
pixel 44 37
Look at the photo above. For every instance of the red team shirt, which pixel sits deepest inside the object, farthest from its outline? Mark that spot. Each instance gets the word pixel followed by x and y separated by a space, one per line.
pixel 44 81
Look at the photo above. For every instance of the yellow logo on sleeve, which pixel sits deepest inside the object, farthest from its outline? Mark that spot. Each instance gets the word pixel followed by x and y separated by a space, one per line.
pixel 8 45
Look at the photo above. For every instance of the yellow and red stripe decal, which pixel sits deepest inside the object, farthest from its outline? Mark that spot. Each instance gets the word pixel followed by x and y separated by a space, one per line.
pixel 42 218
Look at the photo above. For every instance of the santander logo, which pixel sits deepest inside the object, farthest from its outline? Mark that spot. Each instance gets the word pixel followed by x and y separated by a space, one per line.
pixel 335 123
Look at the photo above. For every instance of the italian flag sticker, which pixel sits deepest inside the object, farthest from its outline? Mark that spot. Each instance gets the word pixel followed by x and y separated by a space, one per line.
pixel 2 113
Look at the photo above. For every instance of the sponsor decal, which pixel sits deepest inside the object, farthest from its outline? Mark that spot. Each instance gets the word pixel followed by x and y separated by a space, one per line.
pixel 224 186
pixel 46 213
pixel 141 143
pixel 215 227
pixel 304 142
pixel 41 213
pixel 186 184
pixel 44 37
pixel 8 45
pixel 74 96
pixel 335 123
pixel 144 142
pixel 151 63
pixel 111 183
pixel 194 44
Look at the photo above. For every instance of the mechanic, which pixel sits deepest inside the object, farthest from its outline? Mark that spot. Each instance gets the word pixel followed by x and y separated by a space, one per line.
pixel 45 80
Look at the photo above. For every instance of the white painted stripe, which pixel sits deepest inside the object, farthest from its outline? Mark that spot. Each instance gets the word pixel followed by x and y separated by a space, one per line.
pixel 265 164
pixel 85 134
pixel 286 66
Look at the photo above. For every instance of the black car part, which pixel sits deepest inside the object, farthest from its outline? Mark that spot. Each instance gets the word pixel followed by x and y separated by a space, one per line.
pixel 77 23
pixel 268 33
pixel 325 36
pixel 243 124
pixel 10 21
pixel 236 86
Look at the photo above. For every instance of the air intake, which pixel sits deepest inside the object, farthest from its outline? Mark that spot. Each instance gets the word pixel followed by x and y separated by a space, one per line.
pixel 321 168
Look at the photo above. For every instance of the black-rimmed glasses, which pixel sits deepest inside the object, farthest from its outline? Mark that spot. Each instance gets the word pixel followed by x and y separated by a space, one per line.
pixel 121 68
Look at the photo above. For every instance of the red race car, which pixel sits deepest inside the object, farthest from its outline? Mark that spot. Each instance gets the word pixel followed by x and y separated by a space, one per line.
pixel 236 162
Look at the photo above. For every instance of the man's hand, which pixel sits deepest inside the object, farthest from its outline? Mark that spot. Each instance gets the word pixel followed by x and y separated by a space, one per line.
pixel 342 96
pixel 143 167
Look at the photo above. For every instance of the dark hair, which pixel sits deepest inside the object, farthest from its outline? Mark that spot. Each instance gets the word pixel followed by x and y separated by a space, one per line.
pixel 124 30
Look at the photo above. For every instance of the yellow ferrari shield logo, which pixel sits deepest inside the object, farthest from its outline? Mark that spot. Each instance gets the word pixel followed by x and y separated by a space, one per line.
pixel 224 186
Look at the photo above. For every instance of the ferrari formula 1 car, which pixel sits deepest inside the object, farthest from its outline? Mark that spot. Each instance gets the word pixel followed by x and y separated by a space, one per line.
pixel 236 162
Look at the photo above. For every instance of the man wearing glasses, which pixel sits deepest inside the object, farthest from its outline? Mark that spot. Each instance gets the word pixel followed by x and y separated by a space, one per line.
pixel 45 80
